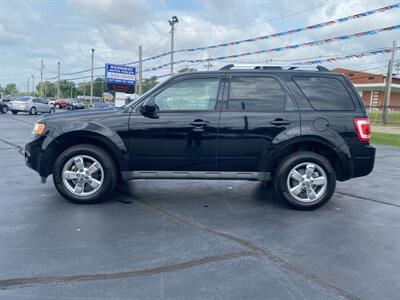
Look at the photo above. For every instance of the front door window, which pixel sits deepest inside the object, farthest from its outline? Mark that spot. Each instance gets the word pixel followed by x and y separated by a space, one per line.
pixel 189 95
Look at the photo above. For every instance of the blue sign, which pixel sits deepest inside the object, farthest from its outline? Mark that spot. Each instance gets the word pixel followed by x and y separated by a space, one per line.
pixel 119 74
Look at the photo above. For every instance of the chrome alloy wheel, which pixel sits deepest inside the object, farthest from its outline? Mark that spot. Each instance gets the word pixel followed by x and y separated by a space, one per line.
pixel 83 175
pixel 307 182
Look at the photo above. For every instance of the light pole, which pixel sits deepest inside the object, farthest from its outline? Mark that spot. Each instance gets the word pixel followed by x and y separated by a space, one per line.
pixel 58 81
pixel 91 83
pixel 172 23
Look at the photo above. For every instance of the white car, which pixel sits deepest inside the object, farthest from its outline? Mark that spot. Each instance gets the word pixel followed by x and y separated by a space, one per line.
pixel 31 105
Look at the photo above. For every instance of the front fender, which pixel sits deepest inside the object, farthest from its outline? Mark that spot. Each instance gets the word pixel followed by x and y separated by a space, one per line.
pixel 61 136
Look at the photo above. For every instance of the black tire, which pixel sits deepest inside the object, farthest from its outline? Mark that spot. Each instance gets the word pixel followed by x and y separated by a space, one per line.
pixel 4 109
pixel 286 166
pixel 105 160
pixel 33 111
pixel 14 112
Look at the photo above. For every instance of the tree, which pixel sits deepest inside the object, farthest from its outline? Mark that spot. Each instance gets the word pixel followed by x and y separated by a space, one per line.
pixel 10 89
pixel 187 69
pixel 49 89
pixel 98 87
pixel 149 83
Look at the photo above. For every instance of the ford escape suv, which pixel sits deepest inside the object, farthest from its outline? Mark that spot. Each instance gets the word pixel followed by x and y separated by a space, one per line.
pixel 301 129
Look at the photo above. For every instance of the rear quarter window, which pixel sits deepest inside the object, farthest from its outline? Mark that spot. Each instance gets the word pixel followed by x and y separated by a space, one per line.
pixel 325 93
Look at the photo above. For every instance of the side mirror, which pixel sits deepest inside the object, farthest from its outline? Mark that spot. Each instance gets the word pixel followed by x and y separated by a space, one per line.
pixel 149 108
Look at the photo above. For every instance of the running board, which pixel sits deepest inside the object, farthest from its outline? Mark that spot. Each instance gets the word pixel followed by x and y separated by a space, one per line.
pixel 256 176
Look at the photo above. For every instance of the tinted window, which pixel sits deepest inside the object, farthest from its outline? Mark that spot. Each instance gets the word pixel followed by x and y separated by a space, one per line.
pixel 325 93
pixel 191 94
pixel 256 94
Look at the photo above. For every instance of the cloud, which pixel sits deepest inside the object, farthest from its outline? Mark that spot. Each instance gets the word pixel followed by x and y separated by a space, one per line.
pixel 67 30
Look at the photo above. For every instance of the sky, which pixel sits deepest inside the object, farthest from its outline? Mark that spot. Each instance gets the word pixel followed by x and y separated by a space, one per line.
pixel 67 30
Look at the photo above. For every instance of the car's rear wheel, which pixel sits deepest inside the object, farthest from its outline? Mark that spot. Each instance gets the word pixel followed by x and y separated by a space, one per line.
pixel 85 174
pixel 32 111
pixel 305 180
pixel 4 109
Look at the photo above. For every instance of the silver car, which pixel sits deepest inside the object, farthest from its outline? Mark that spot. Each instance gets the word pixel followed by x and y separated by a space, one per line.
pixel 31 105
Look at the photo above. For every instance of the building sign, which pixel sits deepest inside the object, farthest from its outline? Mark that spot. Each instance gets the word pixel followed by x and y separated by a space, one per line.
pixel 120 78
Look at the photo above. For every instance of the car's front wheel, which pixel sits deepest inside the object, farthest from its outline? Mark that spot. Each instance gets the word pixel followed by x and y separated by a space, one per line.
pixel 305 180
pixel 85 174
pixel 4 109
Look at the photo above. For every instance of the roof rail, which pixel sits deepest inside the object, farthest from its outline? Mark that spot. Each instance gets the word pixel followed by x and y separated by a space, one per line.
pixel 273 67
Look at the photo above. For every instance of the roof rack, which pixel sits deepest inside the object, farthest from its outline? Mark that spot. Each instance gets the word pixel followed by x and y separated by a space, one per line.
pixel 273 67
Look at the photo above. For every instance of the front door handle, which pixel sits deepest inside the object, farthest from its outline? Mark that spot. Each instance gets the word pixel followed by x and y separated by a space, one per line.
pixel 199 123
pixel 280 121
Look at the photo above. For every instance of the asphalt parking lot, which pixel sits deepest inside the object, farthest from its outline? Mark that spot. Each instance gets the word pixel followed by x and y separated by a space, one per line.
pixel 195 239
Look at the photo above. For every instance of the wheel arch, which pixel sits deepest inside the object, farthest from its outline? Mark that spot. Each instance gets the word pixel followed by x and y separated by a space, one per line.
pixel 64 141
pixel 338 156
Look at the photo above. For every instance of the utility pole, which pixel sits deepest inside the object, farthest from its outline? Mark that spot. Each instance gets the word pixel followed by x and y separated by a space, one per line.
pixel 388 86
pixel 28 83
pixel 209 65
pixel 91 83
pixel 140 70
pixel 172 23
pixel 70 87
pixel 33 86
pixel 41 77
pixel 58 80
pixel 23 84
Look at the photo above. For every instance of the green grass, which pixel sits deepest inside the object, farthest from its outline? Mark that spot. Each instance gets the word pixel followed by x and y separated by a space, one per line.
pixel 375 117
pixel 385 138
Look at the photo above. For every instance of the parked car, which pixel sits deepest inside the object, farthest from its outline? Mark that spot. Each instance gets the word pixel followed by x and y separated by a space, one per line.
pixel 3 107
pixel 7 98
pixel 301 129
pixel 74 104
pixel 59 103
pixel 100 105
pixel 31 105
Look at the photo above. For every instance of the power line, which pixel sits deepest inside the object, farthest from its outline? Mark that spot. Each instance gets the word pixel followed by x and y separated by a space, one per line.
pixel 265 37
pixel 258 23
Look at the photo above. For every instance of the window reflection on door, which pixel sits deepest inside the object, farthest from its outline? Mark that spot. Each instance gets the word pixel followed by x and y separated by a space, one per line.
pixel 190 95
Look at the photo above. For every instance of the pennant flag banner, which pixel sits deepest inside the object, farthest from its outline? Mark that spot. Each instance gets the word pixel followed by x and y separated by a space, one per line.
pixel 280 34
pixel 264 37
pixel 280 49
pixel 345 57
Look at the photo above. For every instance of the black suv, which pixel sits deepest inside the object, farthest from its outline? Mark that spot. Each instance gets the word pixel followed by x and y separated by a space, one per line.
pixel 302 129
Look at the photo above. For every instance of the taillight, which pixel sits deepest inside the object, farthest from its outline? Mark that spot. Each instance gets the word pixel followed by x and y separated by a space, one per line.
pixel 363 129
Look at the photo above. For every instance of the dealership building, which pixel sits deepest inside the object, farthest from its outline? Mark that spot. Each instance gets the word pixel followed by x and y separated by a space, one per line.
pixel 371 88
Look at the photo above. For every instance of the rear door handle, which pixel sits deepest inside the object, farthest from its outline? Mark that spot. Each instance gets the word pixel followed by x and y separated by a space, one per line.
pixel 280 121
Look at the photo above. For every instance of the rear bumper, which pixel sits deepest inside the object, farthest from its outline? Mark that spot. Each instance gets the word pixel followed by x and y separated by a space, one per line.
pixel 18 109
pixel 361 163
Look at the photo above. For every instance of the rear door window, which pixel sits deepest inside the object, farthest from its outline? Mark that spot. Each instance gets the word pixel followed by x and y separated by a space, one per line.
pixel 257 94
pixel 325 93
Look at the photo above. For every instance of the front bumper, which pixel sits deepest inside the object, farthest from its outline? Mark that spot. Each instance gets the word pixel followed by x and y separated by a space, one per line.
pixel 35 158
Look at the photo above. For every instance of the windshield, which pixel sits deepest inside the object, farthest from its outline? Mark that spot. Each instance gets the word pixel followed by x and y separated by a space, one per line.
pixel 24 99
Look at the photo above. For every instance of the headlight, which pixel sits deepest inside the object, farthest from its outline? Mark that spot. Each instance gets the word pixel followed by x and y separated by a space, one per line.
pixel 39 129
